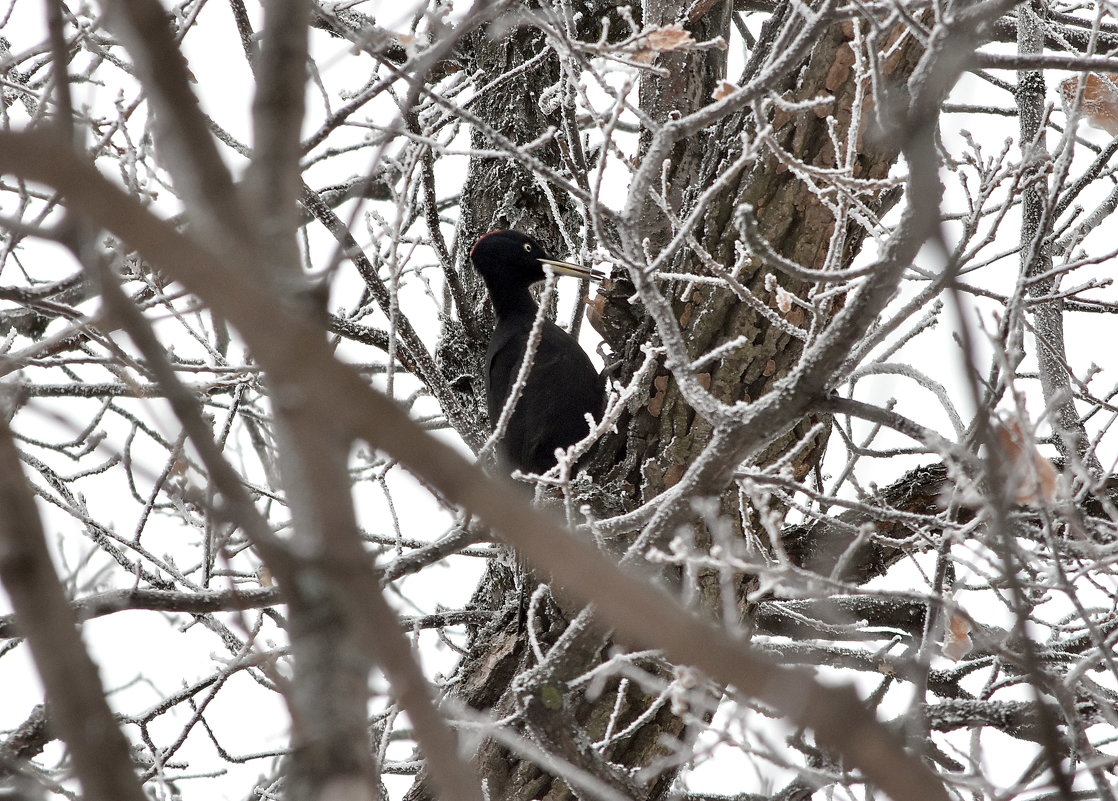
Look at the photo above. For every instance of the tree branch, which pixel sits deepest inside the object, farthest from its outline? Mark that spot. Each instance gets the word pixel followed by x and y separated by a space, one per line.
pixel 77 699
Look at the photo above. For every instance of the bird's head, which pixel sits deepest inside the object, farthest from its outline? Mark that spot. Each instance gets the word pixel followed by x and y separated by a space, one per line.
pixel 512 257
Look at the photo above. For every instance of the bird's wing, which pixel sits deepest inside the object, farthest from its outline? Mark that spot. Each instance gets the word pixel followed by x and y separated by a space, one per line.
pixel 562 387
pixel 502 363
pixel 579 381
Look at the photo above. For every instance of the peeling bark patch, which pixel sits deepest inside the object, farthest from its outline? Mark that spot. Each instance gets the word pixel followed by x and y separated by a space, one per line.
pixel 688 313
pixel 673 474
pixel 839 73
pixel 656 402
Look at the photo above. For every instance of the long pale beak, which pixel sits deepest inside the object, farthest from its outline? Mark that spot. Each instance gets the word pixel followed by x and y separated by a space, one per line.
pixel 575 270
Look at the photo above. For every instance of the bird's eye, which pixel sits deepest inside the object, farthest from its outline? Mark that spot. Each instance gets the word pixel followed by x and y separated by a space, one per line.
pixel 528 247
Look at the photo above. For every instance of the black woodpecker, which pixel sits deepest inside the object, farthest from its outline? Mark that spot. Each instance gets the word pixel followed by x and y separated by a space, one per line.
pixel 562 385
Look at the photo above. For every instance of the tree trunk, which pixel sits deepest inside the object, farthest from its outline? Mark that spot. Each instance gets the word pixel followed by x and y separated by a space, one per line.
pixel 497 673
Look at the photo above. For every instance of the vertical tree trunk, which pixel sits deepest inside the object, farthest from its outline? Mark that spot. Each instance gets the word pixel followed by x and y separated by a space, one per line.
pixel 654 444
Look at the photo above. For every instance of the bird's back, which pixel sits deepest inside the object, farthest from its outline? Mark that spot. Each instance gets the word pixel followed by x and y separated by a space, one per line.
pixel 562 387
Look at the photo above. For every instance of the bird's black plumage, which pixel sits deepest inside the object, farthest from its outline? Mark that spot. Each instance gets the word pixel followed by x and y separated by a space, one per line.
pixel 562 385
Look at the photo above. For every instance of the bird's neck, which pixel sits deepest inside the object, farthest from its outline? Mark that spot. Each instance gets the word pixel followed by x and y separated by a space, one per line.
pixel 513 302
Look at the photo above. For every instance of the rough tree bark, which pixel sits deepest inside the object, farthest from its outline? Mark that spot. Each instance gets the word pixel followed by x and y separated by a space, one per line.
pixel 497 672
